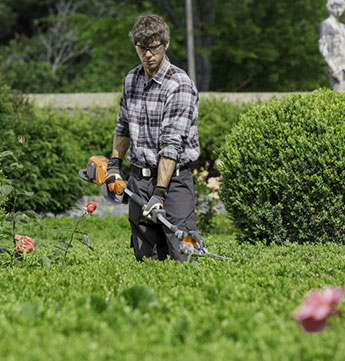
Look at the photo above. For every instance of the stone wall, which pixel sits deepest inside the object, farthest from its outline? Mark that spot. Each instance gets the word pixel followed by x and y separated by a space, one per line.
pixel 106 100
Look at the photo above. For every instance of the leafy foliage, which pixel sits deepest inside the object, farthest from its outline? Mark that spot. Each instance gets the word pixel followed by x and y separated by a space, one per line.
pixel 283 170
pixel 49 161
pixel 60 142
pixel 216 119
pixel 3 199
pixel 268 46
pixel 202 311
pixel 251 45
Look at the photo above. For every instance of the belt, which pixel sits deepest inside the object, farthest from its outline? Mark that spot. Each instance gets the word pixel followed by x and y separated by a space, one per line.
pixel 148 172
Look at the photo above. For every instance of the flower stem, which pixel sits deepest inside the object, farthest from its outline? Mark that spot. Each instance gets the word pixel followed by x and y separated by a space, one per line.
pixel 72 234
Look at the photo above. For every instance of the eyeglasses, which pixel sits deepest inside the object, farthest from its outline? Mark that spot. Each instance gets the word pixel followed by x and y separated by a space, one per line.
pixel 155 49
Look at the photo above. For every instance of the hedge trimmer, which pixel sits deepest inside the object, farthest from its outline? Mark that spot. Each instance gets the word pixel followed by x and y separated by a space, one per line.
pixel 190 241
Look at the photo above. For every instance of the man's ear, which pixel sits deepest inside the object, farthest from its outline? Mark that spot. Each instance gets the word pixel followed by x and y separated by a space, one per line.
pixel 166 46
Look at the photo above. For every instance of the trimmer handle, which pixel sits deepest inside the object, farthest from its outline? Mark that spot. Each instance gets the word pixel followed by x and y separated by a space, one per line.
pixel 135 197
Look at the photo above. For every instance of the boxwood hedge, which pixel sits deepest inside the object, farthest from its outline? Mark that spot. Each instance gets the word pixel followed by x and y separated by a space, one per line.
pixel 60 142
pixel 284 170
pixel 49 155
pixel 216 119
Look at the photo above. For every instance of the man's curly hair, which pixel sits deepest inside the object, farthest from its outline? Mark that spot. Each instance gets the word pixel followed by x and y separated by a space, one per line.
pixel 148 28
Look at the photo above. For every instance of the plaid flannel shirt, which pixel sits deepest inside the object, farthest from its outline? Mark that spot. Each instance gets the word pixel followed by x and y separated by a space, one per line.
pixel 159 116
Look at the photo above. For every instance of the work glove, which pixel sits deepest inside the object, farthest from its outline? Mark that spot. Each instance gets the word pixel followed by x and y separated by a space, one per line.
pixel 114 167
pixel 114 173
pixel 156 201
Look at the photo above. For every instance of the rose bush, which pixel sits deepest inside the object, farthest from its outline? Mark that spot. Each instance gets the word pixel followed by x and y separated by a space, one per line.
pixel 206 198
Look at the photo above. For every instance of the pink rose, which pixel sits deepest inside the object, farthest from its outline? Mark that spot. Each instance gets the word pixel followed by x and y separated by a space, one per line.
pixel 317 307
pixel 24 243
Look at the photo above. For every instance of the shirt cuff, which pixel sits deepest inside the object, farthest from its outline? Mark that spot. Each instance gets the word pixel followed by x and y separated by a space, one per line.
pixel 168 152
pixel 122 131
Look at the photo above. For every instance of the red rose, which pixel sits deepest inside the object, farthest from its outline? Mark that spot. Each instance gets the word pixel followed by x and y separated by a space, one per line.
pixel 21 140
pixel 24 244
pixel 91 207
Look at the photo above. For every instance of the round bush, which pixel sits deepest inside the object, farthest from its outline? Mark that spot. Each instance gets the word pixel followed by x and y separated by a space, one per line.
pixel 284 170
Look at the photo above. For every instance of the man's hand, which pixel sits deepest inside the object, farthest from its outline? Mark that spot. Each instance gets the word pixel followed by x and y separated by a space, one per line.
pixel 156 201
pixel 114 167
pixel 114 173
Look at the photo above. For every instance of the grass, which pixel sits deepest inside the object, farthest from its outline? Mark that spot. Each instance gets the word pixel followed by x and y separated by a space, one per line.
pixel 103 305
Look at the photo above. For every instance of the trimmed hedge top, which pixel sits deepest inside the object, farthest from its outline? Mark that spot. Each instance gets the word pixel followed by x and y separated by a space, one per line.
pixel 284 170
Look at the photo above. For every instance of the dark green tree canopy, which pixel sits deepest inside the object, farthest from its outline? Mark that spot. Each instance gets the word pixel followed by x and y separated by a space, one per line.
pixel 64 46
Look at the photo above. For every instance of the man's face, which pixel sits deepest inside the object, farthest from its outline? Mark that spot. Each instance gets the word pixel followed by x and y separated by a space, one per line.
pixel 336 8
pixel 152 56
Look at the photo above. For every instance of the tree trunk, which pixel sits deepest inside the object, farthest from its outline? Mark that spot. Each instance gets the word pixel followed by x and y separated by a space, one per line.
pixel 204 15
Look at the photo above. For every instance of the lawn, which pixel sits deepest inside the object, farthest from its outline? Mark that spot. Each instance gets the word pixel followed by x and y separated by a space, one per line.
pixel 103 305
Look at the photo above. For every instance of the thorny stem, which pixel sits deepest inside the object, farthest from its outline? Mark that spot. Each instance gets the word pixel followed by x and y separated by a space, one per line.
pixel 13 212
pixel 72 234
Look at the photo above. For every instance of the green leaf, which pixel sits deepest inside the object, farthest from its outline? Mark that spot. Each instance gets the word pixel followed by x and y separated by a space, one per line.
pixel 86 240
pixel 30 214
pixel 25 193
pixel 16 165
pixel 5 180
pixel 8 153
pixel 46 261
pixel 23 221
pixel 6 189
pixel 6 231
pixel 65 245
pixel 57 253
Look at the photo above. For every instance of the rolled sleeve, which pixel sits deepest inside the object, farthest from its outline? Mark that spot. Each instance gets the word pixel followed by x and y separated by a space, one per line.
pixel 122 118
pixel 177 120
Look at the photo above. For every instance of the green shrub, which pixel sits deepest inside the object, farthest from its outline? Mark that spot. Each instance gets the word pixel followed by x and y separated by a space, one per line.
pixel 2 201
pixel 50 167
pixel 284 170
pixel 216 119
pixel 91 131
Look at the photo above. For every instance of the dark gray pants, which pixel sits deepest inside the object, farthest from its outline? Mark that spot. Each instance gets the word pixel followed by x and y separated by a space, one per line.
pixel 152 240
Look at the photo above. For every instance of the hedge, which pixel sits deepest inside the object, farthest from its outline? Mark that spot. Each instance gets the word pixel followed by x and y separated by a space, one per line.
pixel 284 170
pixel 49 155
pixel 216 119
pixel 60 142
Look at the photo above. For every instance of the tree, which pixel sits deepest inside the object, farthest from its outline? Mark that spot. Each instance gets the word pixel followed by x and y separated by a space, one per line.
pixel 268 46
pixel 60 36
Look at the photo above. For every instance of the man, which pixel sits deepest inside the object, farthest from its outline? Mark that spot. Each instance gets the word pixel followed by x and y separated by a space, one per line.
pixel 157 121
pixel 332 44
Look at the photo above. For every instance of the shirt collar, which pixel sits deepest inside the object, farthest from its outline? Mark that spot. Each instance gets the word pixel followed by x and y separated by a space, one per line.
pixel 159 76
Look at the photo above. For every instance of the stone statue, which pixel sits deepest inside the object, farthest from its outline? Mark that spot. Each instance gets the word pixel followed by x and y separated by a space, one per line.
pixel 332 44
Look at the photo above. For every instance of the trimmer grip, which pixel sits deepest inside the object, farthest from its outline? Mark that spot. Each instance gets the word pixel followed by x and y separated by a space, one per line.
pixel 117 186
pixel 138 200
